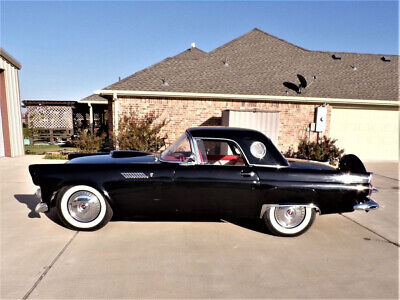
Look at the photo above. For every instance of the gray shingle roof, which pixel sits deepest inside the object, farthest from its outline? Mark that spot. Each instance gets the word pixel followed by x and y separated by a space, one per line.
pixel 93 97
pixel 257 63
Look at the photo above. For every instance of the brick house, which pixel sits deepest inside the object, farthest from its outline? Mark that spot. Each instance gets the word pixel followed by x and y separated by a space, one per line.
pixel 258 73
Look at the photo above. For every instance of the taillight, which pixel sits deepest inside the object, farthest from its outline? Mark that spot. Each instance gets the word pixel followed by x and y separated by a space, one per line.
pixel 370 190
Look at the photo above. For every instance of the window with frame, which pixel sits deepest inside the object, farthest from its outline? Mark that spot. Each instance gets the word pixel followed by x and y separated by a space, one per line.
pixel 220 153
pixel 180 151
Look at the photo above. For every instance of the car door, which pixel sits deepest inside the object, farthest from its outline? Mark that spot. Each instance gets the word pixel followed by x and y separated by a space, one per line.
pixel 215 190
pixel 140 189
pixel 221 183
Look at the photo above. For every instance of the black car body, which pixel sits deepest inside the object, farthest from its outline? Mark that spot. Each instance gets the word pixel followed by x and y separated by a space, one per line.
pixel 226 172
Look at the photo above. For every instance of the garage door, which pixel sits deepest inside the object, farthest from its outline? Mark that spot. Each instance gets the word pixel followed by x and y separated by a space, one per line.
pixel 369 133
pixel 266 122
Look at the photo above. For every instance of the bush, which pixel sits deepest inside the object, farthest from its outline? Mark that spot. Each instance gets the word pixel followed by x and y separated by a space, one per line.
pixel 325 150
pixel 89 143
pixel 55 156
pixel 140 134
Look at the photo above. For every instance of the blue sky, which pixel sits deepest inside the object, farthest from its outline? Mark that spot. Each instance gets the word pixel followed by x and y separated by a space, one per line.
pixel 69 49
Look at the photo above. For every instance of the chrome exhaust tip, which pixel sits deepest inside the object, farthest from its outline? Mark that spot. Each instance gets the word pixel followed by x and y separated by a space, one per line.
pixel 41 208
pixel 367 206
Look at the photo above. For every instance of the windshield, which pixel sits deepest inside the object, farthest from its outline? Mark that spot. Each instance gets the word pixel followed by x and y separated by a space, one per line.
pixel 178 151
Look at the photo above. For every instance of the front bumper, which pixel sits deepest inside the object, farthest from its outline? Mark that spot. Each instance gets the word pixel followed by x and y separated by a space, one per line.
pixel 367 206
pixel 41 207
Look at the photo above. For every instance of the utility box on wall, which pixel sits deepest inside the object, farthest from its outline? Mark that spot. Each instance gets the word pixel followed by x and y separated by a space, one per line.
pixel 320 118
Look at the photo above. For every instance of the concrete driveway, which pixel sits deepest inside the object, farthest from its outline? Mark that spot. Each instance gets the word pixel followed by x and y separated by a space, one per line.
pixel 342 256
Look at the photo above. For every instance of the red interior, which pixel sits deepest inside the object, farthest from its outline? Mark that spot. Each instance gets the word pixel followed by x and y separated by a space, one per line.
pixel 211 158
pixel 230 158
pixel 173 158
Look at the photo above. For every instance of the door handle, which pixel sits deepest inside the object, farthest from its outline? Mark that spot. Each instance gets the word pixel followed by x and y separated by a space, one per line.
pixel 247 174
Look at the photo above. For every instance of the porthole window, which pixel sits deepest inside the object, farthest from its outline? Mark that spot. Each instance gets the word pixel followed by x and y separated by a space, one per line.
pixel 258 150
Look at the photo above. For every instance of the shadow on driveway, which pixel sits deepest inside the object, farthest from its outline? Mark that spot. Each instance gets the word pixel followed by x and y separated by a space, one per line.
pixel 31 201
pixel 255 225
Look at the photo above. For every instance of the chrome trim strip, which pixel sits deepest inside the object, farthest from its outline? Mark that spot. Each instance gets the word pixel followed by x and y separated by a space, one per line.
pixel 349 178
pixel 270 166
pixel 264 207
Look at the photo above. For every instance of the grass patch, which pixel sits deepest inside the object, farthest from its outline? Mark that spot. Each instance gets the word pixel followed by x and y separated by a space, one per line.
pixel 43 149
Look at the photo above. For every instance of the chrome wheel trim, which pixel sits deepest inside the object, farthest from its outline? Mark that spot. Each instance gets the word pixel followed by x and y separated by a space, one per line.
pixel 290 217
pixel 64 207
pixel 84 206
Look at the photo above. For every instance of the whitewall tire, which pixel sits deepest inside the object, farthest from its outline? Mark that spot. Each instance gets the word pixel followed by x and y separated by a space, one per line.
pixel 289 220
pixel 82 207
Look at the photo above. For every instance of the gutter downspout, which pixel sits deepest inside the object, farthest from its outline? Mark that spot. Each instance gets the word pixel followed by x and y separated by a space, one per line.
pixel 115 117
pixel 91 118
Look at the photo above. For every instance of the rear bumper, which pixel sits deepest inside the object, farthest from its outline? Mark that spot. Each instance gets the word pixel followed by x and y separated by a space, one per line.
pixel 367 206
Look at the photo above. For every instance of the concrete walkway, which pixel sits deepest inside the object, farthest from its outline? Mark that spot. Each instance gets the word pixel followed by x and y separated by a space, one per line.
pixel 385 220
pixel 337 258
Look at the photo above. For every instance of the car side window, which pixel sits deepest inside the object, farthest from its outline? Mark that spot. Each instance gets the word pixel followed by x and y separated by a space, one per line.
pixel 180 151
pixel 219 153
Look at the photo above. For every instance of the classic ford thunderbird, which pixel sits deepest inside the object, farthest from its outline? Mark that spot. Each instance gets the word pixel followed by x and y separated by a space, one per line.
pixel 209 171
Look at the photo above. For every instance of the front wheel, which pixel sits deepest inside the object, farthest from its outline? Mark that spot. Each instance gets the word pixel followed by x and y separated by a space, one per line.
pixel 82 207
pixel 289 220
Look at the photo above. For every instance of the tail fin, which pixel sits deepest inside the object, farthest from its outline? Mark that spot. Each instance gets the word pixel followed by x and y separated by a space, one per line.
pixel 351 163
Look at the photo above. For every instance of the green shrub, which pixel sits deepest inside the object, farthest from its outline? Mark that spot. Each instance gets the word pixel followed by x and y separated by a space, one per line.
pixel 89 143
pixel 140 134
pixel 324 150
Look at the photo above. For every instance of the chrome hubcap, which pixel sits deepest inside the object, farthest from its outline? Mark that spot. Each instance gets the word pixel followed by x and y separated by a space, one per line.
pixel 290 217
pixel 84 206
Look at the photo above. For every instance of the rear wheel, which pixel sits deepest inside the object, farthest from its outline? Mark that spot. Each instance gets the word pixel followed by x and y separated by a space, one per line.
pixel 82 207
pixel 289 220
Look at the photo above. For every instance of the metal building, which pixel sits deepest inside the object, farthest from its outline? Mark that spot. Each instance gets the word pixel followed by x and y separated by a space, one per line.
pixel 11 136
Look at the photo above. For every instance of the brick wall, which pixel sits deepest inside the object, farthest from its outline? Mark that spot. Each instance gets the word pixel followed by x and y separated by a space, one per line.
pixel 183 113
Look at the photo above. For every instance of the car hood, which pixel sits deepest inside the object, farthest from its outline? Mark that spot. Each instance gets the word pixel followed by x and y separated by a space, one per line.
pixel 109 159
pixel 308 164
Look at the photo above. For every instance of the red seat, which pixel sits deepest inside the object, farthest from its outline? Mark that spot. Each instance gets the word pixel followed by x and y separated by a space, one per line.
pixel 232 159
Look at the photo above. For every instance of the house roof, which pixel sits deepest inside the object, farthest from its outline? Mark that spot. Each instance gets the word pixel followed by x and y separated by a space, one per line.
pixel 93 99
pixel 29 102
pixel 258 63
pixel 4 54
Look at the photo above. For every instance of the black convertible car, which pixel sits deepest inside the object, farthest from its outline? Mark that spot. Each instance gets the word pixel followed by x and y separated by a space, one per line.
pixel 218 171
